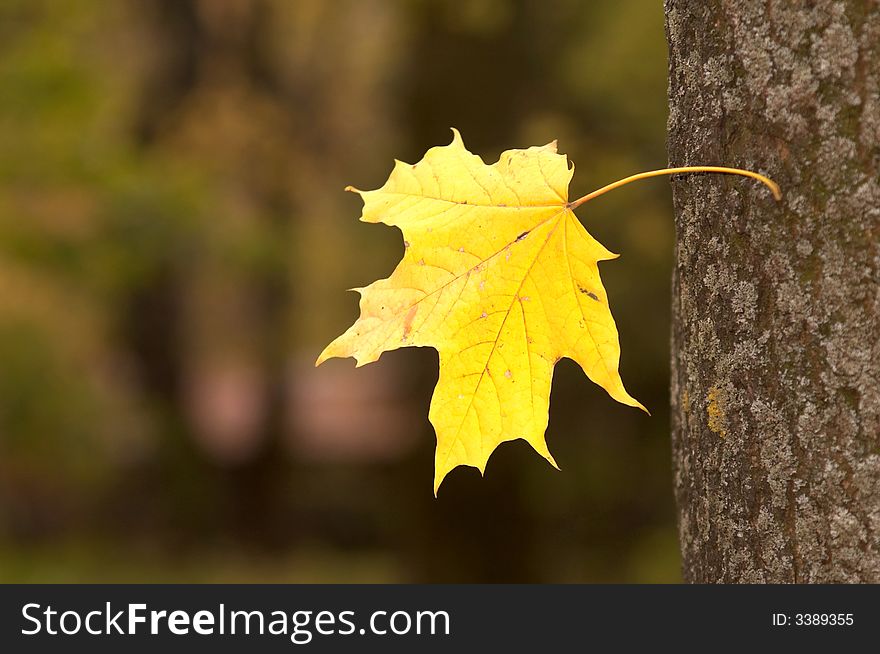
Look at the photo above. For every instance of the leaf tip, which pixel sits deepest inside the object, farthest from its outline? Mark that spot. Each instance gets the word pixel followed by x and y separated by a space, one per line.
pixel 620 394
pixel 360 362
pixel 456 137
pixel 438 480
pixel 633 402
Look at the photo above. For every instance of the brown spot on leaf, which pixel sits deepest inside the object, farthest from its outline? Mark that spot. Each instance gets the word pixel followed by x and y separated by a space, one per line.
pixel 589 294
pixel 408 320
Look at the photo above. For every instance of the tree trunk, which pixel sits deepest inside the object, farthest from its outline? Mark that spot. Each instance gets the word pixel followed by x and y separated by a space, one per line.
pixel 776 306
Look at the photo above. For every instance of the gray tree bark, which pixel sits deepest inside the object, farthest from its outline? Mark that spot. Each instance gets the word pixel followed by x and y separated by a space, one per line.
pixel 776 306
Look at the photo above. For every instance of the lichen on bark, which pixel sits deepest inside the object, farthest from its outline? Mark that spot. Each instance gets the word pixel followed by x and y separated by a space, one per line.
pixel 776 306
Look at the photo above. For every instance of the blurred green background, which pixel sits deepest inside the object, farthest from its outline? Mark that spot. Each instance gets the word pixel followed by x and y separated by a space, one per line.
pixel 174 248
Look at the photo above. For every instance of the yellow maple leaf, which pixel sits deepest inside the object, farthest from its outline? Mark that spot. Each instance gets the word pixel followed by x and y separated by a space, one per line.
pixel 502 279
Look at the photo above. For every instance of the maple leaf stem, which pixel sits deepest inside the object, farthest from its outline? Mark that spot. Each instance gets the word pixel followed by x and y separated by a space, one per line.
pixel 773 186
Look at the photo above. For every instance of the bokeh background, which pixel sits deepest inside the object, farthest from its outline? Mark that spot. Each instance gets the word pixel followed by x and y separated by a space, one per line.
pixel 174 248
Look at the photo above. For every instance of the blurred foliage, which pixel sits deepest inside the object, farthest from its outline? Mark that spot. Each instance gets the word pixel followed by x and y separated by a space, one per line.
pixel 173 246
